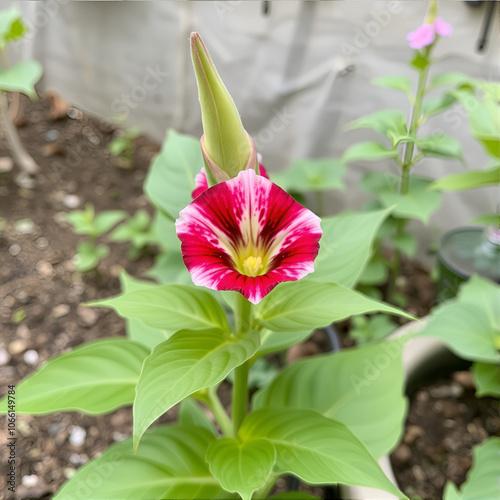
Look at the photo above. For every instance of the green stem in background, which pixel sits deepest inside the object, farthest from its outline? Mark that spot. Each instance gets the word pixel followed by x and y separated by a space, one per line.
pixel 218 412
pixel 242 323
pixel 320 204
pixel 406 165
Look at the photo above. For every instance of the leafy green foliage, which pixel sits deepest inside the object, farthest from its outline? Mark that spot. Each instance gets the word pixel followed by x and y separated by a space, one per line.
pixel 278 341
pixel 487 220
pixel 170 464
pixel 365 377
pixel 170 180
pixel 345 246
pixel 468 180
pixel 441 146
pixel 183 364
pixel 190 414
pixel 137 230
pixel 89 255
pixel 122 143
pixel 314 448
pixel 451 78
pixel 170 308
pixel 88 223
pixel 312 175
pixel 368 151
pixel 21 78
pixel 369 329
pixel 306 305
pixel 433 105
pixel 397 82
pixel 93 378
pixel 483 480
pixel 241 466
pixel 487 379
pixel 388 122
pixel 419 203
pixel 469 324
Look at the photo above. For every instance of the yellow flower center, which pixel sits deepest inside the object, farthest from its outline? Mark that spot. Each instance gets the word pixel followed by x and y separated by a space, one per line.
pixel 252 266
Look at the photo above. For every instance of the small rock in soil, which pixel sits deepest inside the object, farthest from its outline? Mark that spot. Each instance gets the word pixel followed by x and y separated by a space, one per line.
pixel 9 301
pixel 402 453
pixel 31 357
pixel 30 481
pixel 77 435
pixel 51 135
pixel 75 114
pixel 78 459
pixel 87 315
pixel 60 310
pixel 413 432
pixel 14 249
pixel 452 390
pixel 44 269
pixel 24 226
pixel 4 356
pixel 71 201
pixel 465 379
pixel 42 243
pixel 17 346
pixel 23 332
pixel 6 164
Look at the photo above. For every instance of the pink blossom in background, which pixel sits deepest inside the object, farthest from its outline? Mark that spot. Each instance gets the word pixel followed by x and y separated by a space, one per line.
pixel 247 235
pixel 425 34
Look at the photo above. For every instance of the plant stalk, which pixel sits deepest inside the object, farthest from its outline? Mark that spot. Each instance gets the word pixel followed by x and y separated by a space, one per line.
pixel 219 412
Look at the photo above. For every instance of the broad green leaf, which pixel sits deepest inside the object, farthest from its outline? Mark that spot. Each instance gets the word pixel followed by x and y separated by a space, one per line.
pixel 93 378
pixel 306 305
pixel 469 324
pixel 88 256
pixel 487 220
pixel 312 175
pixel 21 78
pixel 397 82
pixel 169 268
pixel 406 243
pixel 241 466
pixel 164 230
pixel 11 26
pixel 368 151
pixel 483 480
pixel 375 273
pixel 452 78
pixel 104 221
pixel 346 246
pixel 191 414
pixel 419 61
pixel 279 341
pixel 418 203
pixel 294 495
pixel 388 122
pixel 170 465
pixel 440 145
pixel 487 379
pixel 364 377
pixel 183 364
pixel 170 180
pixel 369 329
pixel 467 180
pixel 314 448
pixel 433 105
pixel 170 308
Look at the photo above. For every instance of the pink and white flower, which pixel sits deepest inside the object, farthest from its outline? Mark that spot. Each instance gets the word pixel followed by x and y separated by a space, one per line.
pixel 247 235
pixel 425 34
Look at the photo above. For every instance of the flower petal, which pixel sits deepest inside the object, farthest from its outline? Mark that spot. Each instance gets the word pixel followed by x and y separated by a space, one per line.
pixel 441 27
pixel 422 37
pixel 247 217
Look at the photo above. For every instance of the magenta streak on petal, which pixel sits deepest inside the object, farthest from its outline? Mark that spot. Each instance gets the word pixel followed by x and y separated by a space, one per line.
pixel 247 217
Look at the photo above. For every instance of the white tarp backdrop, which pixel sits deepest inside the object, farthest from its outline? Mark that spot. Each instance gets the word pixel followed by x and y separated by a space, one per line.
pixel 297 75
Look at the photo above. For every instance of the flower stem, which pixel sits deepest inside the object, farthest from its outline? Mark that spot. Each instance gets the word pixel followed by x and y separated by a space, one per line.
pixel 406 165
pixel 218 412
pixel 242 323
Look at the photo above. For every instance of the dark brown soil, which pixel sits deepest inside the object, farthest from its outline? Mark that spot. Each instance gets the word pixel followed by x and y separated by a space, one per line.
pixel 444 423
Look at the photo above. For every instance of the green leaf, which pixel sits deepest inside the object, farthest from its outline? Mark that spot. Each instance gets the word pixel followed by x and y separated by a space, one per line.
pixel 346 246
pixel 418 203
pixel 398 82
pixel 487 379
pixel 21 78
pixel 312 175
pixel 483 480
pixel 170 465
pixel 368 151
pixel 419 61
pixel 241 466
pixel 306 305
pixel 433 105
pixel 164 232
pixel 388 122
pixel 440 145
pixel 169 268
pixel 406 243
pixel 375 273
pixel 190 414
pixel 452 78
pixel 294 495
pixel 467 180
pixel 185 363
pixel 279 341
pixel 365 377
pixel 170 308
pixel 316 449
pixel 88 256
pixel 104 221
pixel 469 324
pixel 93 378
pixel 368 329
pixel 11 26
pixel 487 220
pixel 170 180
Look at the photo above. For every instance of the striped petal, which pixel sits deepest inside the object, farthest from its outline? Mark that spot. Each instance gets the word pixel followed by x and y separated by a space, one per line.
pixel 247 235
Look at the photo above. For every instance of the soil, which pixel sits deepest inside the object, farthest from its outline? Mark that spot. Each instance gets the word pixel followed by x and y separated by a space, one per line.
pixel 444 423
pixel 41 292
